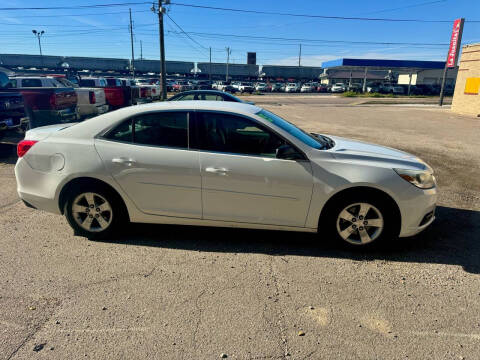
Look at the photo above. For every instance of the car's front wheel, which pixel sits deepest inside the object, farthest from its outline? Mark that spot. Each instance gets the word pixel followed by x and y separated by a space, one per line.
pixel 94 212
pixel 361 220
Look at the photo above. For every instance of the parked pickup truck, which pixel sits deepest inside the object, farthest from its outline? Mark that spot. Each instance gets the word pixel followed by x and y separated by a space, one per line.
pixel 114 94
pixel 12 109
pixel 46 105
pixel 132 89
pixel 90 101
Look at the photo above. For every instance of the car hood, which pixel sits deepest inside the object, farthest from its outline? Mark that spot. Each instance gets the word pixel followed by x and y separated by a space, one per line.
pixel 355 150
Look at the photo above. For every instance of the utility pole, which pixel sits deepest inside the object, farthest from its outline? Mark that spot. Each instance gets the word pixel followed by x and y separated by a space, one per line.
pixel 229 51
pixel 163 70
pixel 300 56
pixel 141 50
pixel 38 34
pixel 131 43
pixel 210 68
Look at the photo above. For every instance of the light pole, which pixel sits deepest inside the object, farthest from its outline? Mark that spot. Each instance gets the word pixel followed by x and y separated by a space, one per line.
pixel 38 34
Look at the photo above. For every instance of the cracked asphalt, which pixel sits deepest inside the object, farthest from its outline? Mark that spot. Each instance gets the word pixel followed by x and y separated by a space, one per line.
pixel 179 292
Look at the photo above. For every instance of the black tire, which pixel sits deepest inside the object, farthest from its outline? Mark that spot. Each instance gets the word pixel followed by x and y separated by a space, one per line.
pixel 118 214
pixel 331 224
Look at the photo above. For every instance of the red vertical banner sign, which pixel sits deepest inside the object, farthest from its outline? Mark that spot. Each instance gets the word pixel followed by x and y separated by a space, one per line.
pixel 455 42
pixel 453 50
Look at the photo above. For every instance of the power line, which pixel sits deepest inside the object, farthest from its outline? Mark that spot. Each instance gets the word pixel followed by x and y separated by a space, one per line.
pixel 76 7
pixel 314 40
pixel 409 6
pixel 183 31
pixel 81 14
pixel 178 35
pixel 315 16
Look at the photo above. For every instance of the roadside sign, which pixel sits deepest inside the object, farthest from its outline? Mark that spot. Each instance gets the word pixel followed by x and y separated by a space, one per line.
pixel 455 42
pixel 452 55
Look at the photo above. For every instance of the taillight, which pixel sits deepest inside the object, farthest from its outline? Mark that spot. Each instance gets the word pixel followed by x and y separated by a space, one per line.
pixel 143 92
pixel 91 96
pixel 23 146
pixel 53 100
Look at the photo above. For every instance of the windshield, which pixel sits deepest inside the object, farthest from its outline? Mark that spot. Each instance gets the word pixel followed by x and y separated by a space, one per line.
pixel 306 138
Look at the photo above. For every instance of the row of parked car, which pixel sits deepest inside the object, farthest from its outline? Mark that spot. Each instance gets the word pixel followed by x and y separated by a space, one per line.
pixel 386 88
pixel 181 85
pixel 32 101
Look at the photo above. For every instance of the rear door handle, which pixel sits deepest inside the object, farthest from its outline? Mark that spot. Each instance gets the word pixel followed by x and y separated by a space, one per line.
pixel 215 170
pixel 123 161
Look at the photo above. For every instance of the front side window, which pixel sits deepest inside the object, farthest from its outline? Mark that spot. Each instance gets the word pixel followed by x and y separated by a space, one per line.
pixel 233 134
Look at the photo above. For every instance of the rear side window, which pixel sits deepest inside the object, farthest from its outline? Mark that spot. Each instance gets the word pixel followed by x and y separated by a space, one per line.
pixel 169 129
pixel 31 83
pixel 122 132
pixel 87 82
pixel 212 97
pixel 166 129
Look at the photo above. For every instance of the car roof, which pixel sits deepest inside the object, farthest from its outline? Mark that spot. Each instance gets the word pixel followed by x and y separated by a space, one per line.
pixel 200 105
pixel 202 91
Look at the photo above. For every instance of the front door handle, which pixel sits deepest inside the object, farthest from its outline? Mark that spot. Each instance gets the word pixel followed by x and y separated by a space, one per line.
pixel 123 161
pixel 215 170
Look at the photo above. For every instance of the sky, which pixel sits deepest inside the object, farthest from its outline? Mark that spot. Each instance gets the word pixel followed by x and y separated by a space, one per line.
pixel 104 31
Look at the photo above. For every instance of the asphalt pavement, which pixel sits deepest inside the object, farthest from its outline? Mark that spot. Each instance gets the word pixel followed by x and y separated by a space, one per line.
pixel 179 292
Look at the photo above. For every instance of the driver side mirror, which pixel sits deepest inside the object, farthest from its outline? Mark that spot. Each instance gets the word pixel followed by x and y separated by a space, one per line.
pixel 288 152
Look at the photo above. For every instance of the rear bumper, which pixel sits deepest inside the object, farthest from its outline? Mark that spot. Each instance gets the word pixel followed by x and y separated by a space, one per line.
pixel 91 109
pixel 51 117
pixel 37 188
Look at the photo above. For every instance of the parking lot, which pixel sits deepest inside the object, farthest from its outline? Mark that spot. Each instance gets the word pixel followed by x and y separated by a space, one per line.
pixel 177 292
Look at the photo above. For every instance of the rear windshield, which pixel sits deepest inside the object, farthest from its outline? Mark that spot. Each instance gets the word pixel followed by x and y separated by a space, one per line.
pixel 301 135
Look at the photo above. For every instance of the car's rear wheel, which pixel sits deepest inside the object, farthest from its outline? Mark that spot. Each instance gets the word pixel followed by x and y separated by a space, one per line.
pixel 360 221
pixel 94 212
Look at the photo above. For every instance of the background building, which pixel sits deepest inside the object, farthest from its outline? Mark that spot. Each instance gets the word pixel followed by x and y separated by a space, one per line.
pixel 394 71
pixel 466 98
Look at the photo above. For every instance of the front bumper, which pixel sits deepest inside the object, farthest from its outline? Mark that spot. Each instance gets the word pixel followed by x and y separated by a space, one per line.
pixel 418 212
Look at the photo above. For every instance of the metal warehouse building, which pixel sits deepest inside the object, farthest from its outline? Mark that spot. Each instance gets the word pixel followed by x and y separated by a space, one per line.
pixel 235 71
pixel 403 72
pixel 295 72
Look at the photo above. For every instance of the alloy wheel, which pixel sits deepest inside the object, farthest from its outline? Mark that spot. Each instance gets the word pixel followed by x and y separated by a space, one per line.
pixel 360 223
pixel 92 212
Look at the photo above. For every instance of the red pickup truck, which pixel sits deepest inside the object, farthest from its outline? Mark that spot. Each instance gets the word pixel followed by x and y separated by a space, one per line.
pixel 114 94
pixel 46 105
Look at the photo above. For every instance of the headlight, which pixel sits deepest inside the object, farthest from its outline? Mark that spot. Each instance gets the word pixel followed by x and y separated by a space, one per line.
pixel 423 179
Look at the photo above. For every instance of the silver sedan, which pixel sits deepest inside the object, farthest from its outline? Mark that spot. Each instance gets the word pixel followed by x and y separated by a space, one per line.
pixel 221 164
